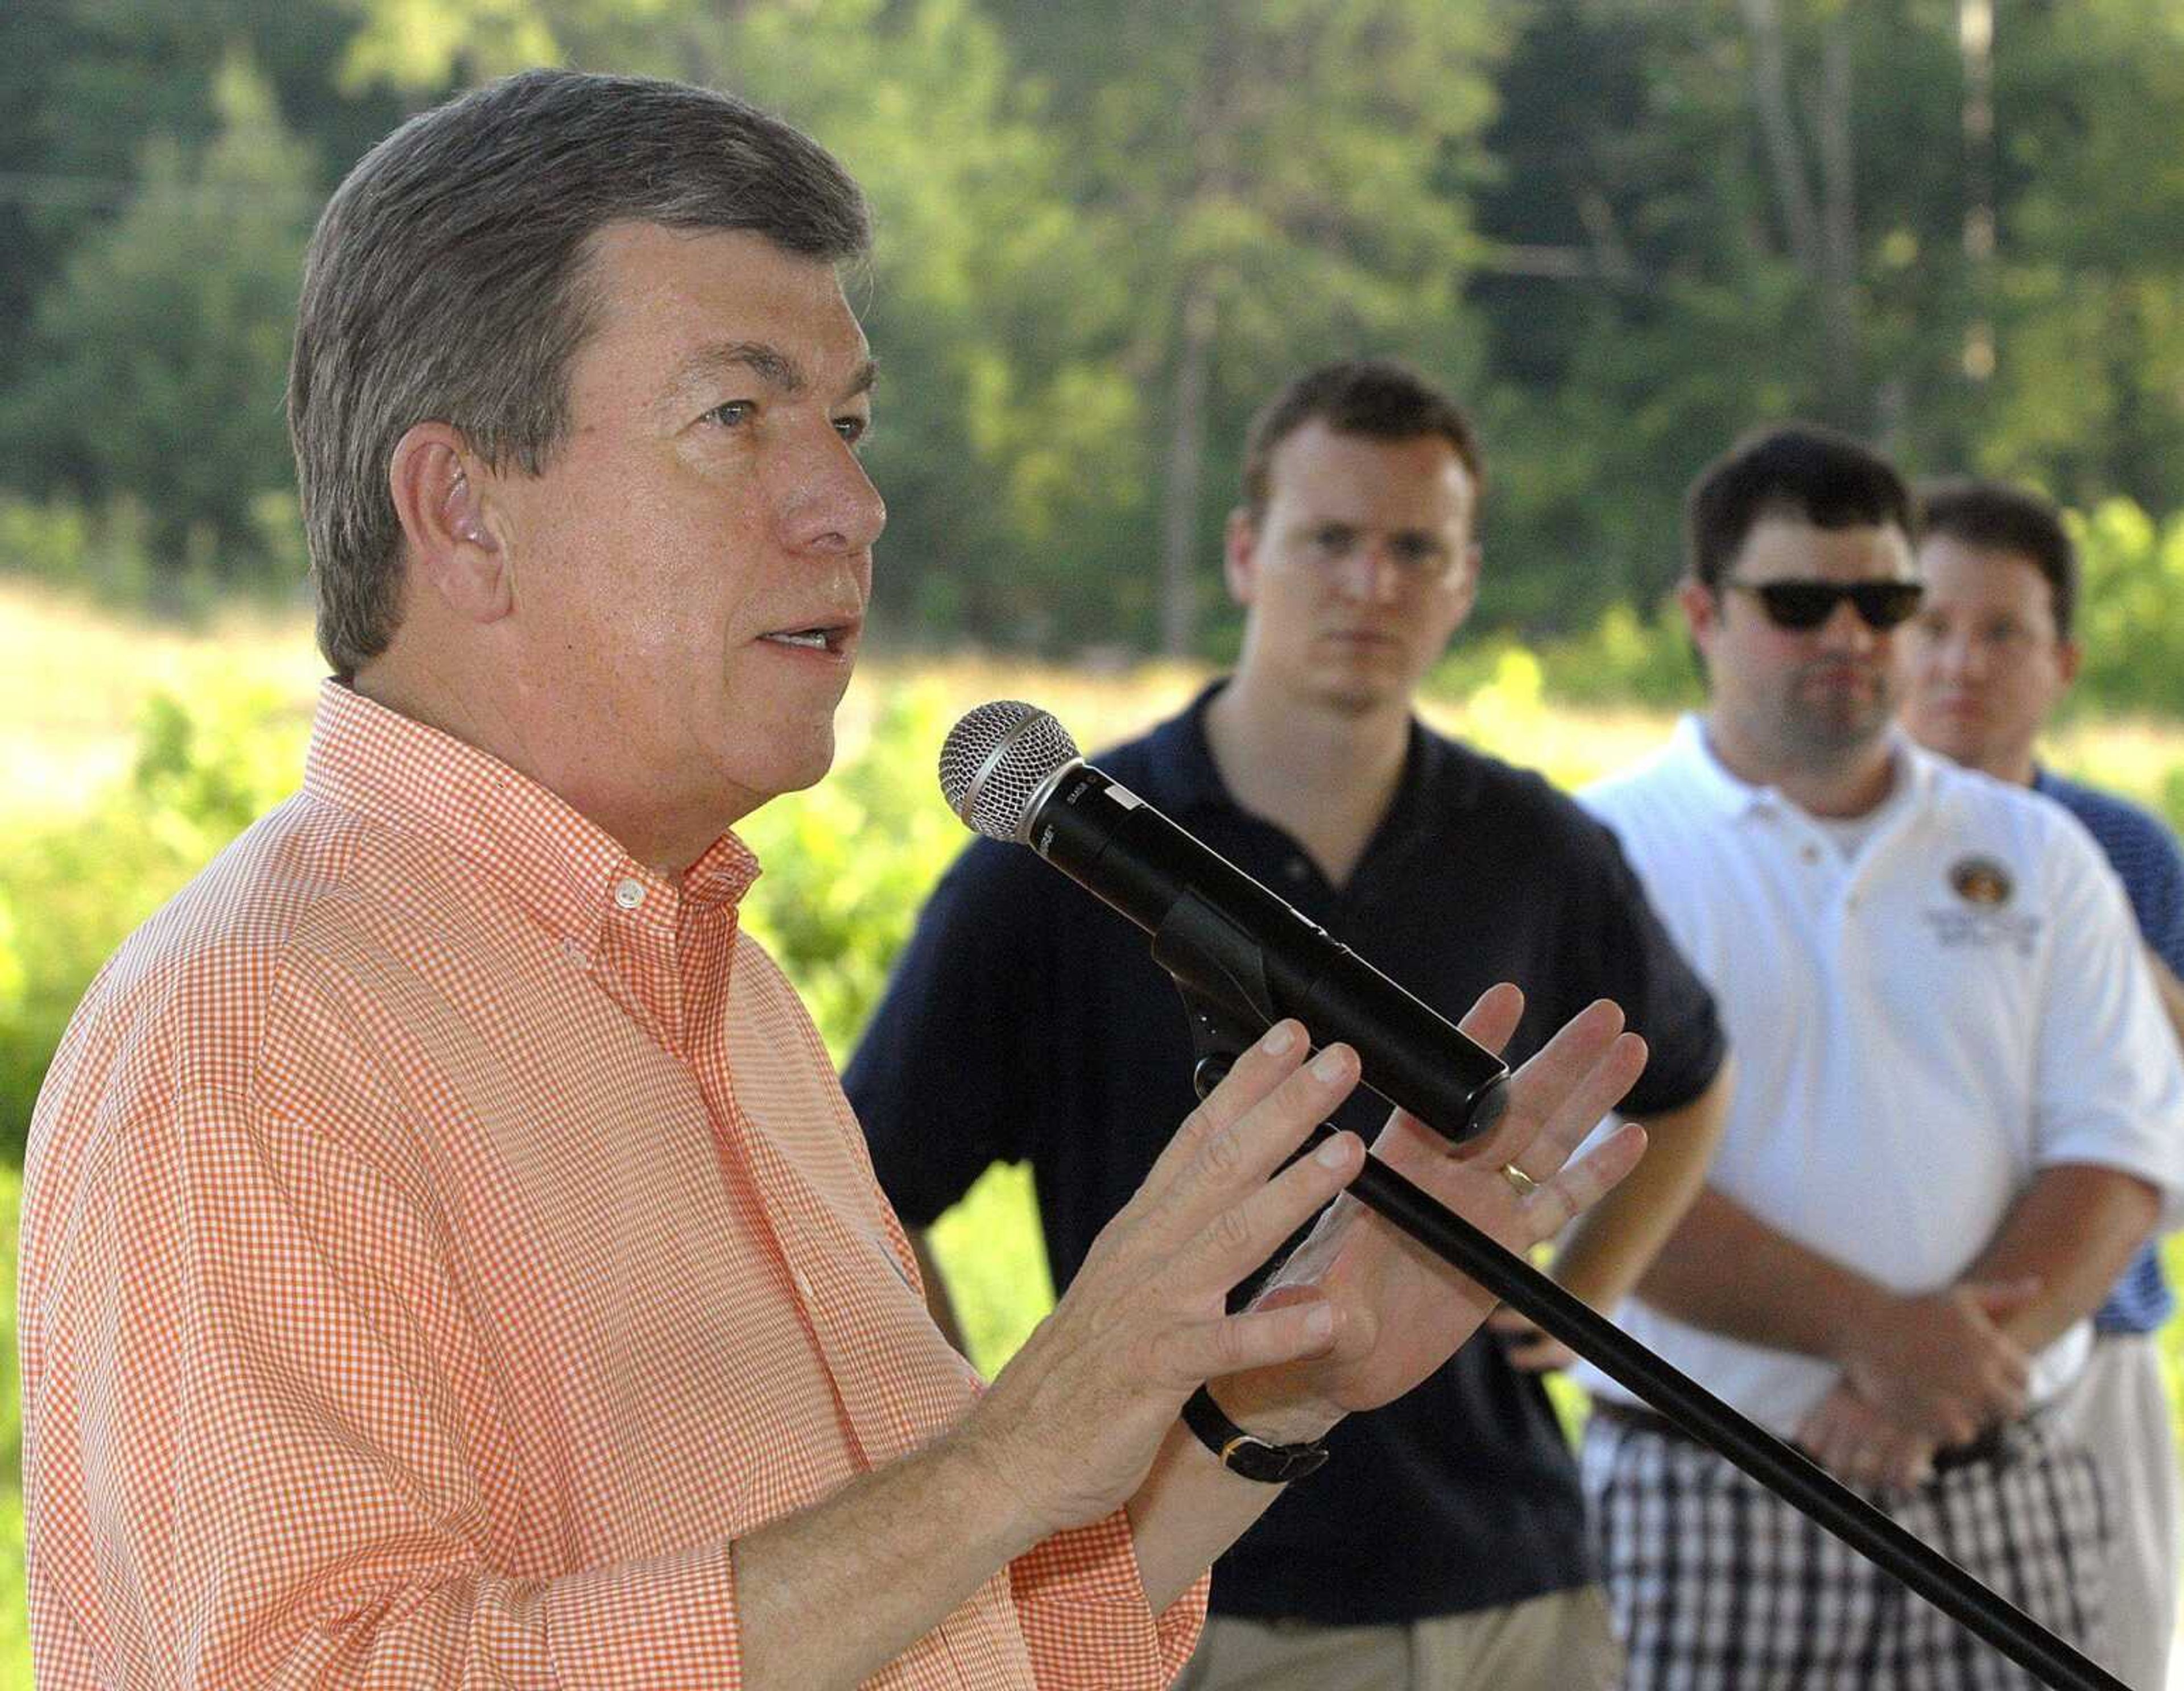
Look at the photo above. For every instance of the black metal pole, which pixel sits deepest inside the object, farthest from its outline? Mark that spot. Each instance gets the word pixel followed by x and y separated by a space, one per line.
pixel 1783 1470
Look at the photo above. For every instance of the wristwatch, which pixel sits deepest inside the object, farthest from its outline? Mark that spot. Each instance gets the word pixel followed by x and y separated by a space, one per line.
pixel 1254 1459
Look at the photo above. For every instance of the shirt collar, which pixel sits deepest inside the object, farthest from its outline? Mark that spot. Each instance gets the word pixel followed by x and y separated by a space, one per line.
pixel 1732 796
pixel 1182 775
pixel 564 870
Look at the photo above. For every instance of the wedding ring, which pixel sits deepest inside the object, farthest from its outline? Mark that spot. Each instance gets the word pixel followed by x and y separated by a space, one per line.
pixel 1524 1183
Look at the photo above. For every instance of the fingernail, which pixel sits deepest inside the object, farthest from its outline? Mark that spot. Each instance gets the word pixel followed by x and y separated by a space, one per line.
pixel 1332 1155
pixel 1328 1065
pixel 1319 1321
pixel 1279 1038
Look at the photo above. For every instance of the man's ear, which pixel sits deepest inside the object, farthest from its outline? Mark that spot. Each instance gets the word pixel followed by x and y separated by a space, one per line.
pixel 1702 609
pixel 1239 568
pixel 1467 581
pixel 443 498
pixel 2069 655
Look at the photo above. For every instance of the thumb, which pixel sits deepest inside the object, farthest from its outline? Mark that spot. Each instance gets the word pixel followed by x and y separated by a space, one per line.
pixel 1998 1299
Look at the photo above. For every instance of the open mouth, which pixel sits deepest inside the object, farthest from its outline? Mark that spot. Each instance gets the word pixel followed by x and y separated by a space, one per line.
pixel 821 636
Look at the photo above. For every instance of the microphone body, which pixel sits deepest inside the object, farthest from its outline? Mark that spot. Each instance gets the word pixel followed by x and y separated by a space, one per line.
pixel 1229 939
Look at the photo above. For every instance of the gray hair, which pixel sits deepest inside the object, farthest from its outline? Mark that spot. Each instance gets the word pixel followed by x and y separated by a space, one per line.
pixel 446 282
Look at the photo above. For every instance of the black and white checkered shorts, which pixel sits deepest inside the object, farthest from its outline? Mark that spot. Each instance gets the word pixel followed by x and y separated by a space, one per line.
pixel 1716 1584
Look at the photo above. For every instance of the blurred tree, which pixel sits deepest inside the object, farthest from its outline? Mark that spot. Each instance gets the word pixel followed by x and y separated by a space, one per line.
pixel 159 355
pixel 85 84
pixel 1274 184
pixel 1626 230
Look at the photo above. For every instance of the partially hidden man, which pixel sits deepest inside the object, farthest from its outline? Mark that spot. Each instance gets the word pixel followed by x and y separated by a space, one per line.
pixel 1027 1022
pixel 1992 651
pixel 447 1257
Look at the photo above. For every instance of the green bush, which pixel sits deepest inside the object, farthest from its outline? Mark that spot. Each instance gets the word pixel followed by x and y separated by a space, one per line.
pixel 2128 608
pixel 70 891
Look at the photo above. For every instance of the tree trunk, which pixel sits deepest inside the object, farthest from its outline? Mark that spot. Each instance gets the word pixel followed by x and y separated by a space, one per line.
pixel 1838 276
pixel 1186 463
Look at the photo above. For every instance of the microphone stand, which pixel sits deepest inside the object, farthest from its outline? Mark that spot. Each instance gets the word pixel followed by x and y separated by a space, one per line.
pixel 1221 1032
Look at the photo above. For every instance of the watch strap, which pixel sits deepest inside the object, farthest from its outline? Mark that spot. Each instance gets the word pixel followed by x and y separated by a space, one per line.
pixel 1240 1453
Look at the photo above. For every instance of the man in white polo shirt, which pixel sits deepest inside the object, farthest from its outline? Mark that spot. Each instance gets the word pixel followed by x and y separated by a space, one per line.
pixel 1956 1119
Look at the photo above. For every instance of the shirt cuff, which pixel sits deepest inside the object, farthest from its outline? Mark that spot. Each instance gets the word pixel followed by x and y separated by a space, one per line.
pixel 668 1621
pixel 1081 1603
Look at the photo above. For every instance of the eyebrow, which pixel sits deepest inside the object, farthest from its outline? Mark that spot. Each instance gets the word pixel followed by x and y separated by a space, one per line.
pixel 767 362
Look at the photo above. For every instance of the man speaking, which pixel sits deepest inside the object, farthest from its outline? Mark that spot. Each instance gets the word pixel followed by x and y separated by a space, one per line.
pixel 447 1258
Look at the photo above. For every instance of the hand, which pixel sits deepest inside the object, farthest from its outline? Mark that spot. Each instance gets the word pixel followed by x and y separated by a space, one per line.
pixel 1852 1439
pixel 1403 1310
pixel 1070 1425
pixel 1940 1365
pixel 1529 1348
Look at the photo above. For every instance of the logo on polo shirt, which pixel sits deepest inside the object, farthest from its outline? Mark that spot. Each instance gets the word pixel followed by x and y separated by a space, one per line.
pixel 1980 880
pixel 1981 918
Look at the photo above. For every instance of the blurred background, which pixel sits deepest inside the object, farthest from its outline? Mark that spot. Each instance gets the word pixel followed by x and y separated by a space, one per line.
pixel 1623 230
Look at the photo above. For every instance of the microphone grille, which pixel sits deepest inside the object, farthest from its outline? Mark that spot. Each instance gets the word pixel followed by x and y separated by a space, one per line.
pixel 995 761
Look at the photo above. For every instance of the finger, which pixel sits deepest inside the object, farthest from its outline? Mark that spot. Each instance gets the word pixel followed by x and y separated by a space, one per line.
pixel 1999 1299
pixel 1540 1354
pixel 1295 1330
pixel 1554 1204
pixel 1242 1236
pixel 1246 1128
pixel 1491 1020
pixel 1558 1095
pixel 1275 1055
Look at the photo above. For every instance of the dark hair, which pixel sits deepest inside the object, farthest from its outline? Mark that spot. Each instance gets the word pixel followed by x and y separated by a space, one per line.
pixel 1799 470
pixel 1373 397
pixel 2005 519
pixel 446 281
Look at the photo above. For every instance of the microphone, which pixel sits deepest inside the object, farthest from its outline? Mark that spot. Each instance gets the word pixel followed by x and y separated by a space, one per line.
pixel 1011 773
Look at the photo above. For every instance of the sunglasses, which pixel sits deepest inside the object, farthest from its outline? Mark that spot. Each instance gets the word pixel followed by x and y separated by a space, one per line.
pixel 1880 604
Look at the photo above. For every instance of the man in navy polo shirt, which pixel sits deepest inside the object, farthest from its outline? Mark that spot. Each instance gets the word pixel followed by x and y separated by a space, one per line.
pixel 1991 652
pixel 1445 1546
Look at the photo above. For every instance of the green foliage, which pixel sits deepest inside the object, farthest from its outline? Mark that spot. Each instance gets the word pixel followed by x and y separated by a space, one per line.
pixel 1623 660
pixel 158 357
pixel 72 889
pixel 106 552
pixel 848 863
pixel 2128 608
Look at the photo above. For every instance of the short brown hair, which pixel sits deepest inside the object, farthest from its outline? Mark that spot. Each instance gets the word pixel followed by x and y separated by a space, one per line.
pixel 1376 398
pixel 1999 518
pixel 1799 470
pixel 446 281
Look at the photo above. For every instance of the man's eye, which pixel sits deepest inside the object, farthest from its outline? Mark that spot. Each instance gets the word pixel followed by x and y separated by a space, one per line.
pixel 1415 551
pixel 1332 540
pixel 732 414
pixel 853 429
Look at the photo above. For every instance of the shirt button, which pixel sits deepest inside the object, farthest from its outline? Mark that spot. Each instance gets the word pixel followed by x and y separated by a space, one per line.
pixel 1811 854
pixel 629 892
pixel 1297 868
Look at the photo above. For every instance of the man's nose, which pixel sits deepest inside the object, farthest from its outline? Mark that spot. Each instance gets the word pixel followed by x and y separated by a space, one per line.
pixel 1370 574
pixel 1845 630
pixel 833 506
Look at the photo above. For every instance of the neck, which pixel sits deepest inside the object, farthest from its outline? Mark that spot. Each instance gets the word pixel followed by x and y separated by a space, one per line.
pixel 2014 768
pixel 1326 776
pixel 411 684
pixel 1851 784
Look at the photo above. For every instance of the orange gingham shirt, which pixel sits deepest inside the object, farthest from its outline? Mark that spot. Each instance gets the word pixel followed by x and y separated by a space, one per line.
pixel 442 1235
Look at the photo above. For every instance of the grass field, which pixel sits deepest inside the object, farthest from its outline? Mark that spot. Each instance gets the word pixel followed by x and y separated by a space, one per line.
pixel 74 683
